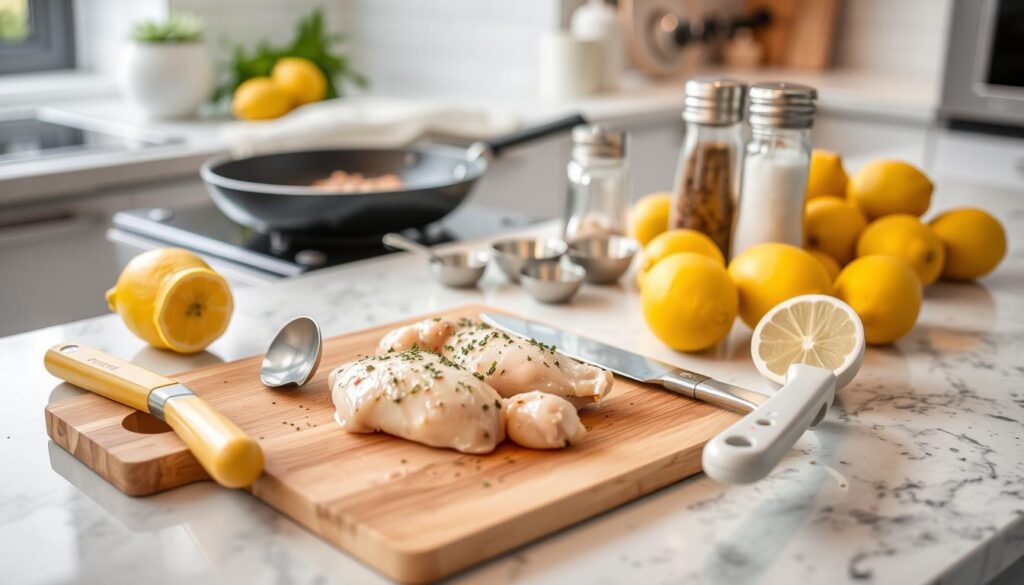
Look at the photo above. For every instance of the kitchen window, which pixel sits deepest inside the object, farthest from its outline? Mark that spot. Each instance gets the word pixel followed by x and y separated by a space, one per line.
pixel 36 35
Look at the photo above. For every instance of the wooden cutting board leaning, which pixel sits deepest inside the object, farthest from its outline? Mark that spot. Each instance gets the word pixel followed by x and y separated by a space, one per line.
pixel 413 512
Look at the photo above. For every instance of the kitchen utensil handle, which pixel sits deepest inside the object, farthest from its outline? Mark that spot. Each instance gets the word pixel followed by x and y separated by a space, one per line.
pixel 231 457
pixel 701 387
pixel 104 374
pixel 749 449
pixel 498 145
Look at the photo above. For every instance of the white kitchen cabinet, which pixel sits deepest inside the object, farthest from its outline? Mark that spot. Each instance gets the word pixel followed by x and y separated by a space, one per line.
pixel 55 259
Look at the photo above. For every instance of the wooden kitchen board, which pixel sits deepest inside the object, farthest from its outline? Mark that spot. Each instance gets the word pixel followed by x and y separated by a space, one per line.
pixel 413 512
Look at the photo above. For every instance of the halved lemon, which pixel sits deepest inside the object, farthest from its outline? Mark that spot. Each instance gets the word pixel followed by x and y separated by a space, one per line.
pixel 816 330
pixel 171 299
pixel 193 309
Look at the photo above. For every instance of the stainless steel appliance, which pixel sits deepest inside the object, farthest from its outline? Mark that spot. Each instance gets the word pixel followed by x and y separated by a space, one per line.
pixel 984 83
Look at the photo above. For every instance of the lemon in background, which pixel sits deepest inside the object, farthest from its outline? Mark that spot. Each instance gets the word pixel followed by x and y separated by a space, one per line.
pixel 260 98
pixel 975 242
pixel 832 225
pixel 301 79
pixel 689 301
pixel 885 293
pixel 884 187
pixel 826 175
pixel 171 299
pixel 675 241
pixel 767 274
pixel 649 217
pixel 828 263
pixel 905 237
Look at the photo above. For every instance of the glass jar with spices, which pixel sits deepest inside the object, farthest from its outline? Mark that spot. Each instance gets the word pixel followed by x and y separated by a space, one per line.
pixel 707 179
pixel 775 168
pixel 598 183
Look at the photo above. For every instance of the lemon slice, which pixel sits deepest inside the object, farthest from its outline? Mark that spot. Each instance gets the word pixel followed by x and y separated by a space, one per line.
pixel 193 309
pixel 816 330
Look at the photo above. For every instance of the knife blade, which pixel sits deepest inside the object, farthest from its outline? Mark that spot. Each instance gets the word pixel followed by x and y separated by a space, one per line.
pixel 744 452
pixel 631 365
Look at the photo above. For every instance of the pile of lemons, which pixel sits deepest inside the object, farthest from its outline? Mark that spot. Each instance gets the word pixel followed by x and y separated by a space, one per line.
pixel 292 82
pixel 864 244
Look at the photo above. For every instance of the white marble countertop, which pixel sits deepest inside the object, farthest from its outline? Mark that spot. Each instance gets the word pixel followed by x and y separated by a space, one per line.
pixel 916 474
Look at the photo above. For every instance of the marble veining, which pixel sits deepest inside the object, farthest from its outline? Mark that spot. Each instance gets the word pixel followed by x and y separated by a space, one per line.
pixel 915 476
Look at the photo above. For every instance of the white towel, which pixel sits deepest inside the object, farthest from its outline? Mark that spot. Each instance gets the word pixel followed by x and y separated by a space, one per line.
pixel 364 122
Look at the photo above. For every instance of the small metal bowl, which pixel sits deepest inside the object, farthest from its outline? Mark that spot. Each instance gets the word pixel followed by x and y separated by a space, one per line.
pixel 604 258
pixel 513 255
pixel 551 282
pixel 459 269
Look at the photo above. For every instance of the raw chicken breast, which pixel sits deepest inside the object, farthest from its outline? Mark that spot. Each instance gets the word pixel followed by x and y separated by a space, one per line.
pixel 429 334
pixel 542 421
pixel 420 396
pixel 509 364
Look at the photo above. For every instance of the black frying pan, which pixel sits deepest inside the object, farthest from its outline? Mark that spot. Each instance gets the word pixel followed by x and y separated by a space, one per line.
pixel 274 193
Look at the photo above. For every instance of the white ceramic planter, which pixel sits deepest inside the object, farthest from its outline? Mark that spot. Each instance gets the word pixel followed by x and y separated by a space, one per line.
pixel 165 80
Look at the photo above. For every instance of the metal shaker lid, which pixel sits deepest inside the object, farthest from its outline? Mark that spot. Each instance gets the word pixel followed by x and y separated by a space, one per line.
pixel 596 141
pixel 781 105
pixel 713 100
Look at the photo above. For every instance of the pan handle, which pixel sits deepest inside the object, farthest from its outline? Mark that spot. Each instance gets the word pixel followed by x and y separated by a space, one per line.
pixel 498 145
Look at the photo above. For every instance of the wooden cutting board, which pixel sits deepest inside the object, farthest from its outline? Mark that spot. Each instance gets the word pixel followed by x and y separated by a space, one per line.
pixel 413 512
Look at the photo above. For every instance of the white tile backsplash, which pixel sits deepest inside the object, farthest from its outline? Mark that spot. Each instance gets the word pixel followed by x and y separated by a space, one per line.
pixel 894 36
pixel 481 49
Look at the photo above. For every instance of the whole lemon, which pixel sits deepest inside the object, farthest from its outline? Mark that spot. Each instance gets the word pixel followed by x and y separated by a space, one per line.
pixel 767 274
pixel 301 79
pixel 832 225
pixel 649 217
pixel 828 263
pixel 674 241
pixel 975 242
pixel 826 175
pixel 885 293
pixel 171 299
pixel 905 237
pixel 260 98
pixel 885 187
pixel 689 301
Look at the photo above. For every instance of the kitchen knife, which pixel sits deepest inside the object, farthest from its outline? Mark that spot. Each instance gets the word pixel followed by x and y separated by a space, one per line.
pixel 743 453
pixel 231 457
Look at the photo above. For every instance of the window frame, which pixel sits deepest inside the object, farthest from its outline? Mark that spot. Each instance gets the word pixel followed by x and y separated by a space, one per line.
pixel 50 44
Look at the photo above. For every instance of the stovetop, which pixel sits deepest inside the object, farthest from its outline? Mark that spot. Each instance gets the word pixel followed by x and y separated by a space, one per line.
pixel 206 231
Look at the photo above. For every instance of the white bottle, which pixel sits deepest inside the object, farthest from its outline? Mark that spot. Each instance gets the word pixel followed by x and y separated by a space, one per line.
pixel 598 21
pixel 775 168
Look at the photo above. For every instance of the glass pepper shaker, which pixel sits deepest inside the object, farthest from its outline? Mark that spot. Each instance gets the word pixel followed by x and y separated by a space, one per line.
pixel 598 183
pixel 775 168
pixel 707 178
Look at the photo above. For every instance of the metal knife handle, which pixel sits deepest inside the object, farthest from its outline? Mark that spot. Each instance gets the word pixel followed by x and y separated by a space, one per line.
pixel 701 387
pixel 750 448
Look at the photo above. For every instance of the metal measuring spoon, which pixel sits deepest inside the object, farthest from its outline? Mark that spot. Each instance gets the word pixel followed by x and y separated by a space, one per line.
pixel 294 354
pixel 454 269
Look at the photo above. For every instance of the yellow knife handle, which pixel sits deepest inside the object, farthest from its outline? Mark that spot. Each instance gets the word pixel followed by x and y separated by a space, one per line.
pixel 231 457
pixel 104 374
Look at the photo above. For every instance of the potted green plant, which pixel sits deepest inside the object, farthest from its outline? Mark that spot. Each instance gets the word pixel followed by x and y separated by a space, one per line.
pixel 164 70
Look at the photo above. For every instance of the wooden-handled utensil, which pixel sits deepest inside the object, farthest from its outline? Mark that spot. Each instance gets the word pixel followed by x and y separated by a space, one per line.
pixel 231 457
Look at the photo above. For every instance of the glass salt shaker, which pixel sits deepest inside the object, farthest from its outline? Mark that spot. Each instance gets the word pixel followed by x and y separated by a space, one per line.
pixel 775 169
pixel 707 178
pixel 598 183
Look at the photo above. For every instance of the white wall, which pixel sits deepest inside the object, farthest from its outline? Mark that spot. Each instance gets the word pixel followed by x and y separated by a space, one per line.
pixel 894 36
